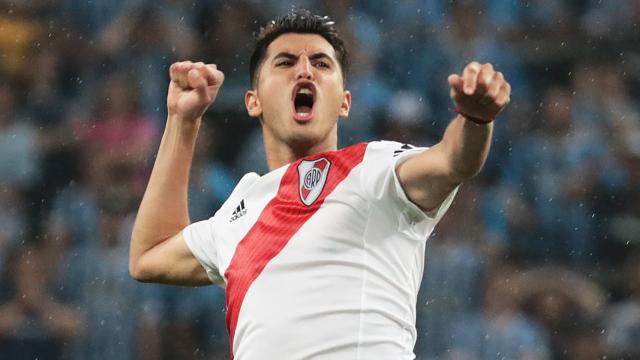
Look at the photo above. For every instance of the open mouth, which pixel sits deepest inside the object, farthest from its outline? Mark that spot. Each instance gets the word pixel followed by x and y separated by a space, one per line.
pixel 304 96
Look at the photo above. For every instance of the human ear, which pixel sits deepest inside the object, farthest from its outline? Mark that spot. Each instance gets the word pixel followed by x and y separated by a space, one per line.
pixel 345 105
pixel 252 103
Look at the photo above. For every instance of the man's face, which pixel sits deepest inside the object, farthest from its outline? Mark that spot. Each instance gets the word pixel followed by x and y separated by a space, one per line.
pixel 299 93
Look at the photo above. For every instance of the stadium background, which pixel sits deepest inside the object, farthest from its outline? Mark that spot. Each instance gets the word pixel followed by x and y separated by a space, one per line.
pixel 537 259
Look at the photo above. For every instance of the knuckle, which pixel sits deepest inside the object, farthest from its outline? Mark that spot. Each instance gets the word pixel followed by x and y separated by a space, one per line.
pixel 496 84
pixel 487 73
pixel 217 78
pixel 482 83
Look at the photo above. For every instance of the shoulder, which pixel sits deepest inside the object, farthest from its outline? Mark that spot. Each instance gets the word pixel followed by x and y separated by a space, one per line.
pixel 239 192
pixel 384 154
pixel 371 150
pixel 245 184
pixel 372 145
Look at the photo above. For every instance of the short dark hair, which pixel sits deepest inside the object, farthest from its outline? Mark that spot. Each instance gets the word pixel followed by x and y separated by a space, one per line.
pixel 298 21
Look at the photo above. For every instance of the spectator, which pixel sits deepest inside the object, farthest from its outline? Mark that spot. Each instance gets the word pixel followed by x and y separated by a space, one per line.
pixel 623 318
pixel 556 171
pixel 120 131
pixel 501 330
pixel 453 277
pixel 32 321
pixel 567 305
pixel 121 316
pixel 19 153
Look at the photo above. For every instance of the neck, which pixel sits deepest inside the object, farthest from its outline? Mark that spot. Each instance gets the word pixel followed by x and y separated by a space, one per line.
pixel 280 153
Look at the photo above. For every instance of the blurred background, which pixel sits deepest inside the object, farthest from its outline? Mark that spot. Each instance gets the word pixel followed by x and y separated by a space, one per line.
pixel 538 258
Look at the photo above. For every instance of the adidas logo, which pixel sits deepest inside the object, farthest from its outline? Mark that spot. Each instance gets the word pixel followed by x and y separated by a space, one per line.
pixel 402 149
pixel 238 212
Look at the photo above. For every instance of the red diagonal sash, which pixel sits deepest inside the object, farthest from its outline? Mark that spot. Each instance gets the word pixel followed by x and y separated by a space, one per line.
pixel 279 221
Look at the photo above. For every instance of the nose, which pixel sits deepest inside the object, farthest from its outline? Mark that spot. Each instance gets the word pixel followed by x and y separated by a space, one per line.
pixel 303 70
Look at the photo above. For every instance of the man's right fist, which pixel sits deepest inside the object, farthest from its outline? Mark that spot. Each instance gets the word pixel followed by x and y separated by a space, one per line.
pixel 193 87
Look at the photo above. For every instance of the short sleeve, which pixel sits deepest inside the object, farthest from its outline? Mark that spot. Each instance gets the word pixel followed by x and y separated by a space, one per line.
pixel 381 184
pixel 203 238
pixel 200 239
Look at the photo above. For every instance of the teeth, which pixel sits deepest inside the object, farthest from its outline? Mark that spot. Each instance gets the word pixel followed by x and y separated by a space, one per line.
pixel 305 91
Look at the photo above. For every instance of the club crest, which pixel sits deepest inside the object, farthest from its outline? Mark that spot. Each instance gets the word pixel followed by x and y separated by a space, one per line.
pixel 312 176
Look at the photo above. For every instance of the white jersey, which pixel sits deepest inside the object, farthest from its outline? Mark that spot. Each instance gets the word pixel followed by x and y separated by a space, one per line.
pixel 321 259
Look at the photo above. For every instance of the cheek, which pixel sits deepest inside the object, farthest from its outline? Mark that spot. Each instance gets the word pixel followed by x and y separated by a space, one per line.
pixel 334 100
pixel 339 91
pixel 275 99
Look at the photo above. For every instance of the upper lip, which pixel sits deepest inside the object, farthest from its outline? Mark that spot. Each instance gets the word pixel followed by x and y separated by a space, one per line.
pixel 304 85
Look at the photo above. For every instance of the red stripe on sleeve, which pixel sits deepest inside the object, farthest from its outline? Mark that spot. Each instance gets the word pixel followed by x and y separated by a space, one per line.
pixel 279 221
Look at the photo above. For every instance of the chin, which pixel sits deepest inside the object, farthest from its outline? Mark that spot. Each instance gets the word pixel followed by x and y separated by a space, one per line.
pixel 302 139
pixel 305 141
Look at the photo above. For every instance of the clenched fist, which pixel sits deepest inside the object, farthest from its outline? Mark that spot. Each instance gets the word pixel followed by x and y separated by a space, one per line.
pixel 193 87
pixel 481 92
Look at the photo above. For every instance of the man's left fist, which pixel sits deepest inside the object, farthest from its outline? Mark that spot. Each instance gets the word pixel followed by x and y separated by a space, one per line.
pixel 481 92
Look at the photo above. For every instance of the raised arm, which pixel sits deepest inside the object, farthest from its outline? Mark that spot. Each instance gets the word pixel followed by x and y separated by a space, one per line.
pixel 158 252
pixel 479 95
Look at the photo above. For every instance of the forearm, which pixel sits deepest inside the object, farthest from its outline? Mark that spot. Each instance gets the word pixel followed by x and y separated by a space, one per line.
pixel 466 145
pixel 480 93
pixel 163 211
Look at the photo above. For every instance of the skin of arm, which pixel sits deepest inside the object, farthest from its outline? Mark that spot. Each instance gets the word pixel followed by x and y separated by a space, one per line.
pixel 428 178
pixel 158 252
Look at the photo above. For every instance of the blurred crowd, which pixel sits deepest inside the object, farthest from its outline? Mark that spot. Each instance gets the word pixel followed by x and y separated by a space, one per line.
pixel 538 258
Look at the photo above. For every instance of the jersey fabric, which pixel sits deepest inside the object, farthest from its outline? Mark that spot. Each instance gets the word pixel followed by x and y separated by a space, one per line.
pixel 321 258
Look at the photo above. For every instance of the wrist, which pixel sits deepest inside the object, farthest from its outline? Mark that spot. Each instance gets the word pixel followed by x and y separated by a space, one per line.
pixel 184 126
pixel 474 119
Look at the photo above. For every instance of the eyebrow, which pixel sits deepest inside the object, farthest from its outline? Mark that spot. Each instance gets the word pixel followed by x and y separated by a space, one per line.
pixel 320 55
pixel 315 56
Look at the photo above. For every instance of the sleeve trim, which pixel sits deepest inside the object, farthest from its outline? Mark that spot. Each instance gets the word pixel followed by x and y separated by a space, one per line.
pixel 416 213
pixel 212 272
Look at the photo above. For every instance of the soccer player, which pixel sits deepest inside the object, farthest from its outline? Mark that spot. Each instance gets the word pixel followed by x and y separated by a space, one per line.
pixel 322 257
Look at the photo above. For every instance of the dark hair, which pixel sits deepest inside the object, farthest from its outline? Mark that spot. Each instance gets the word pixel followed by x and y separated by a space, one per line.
pixel 298 21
